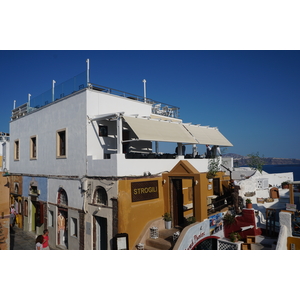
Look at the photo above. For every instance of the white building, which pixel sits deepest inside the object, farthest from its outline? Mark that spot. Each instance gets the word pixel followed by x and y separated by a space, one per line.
pixel 72 152
pixel 4 151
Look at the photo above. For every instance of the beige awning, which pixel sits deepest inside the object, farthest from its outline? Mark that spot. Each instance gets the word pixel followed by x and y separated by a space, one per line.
pixel 208 135
pixel 161 131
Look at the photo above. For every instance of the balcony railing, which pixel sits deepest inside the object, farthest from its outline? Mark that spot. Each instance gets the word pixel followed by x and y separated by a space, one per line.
pixel 158 108
pixel 78 83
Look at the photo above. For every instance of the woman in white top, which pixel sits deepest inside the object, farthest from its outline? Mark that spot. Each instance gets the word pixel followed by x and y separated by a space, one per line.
pixel 39 243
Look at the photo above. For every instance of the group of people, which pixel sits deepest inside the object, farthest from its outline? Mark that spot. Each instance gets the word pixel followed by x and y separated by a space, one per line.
pixel 212 152
pixel 42 241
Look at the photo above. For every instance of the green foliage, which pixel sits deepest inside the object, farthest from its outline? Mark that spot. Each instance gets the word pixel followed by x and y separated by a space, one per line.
pixel 213 167
pixel 234 236
pixel 191 220
pixel 229 219
pixel 248 201
pixel 255 162
pixel 167 216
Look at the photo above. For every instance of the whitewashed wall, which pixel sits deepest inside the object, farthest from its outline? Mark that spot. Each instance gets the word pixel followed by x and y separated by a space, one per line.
pixel 4 148
pixel 100 104
pixel 72 188
pixel 119 166
pixel 70 114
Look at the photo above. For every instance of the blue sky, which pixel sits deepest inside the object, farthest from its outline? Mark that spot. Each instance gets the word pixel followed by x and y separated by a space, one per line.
pixel 251 96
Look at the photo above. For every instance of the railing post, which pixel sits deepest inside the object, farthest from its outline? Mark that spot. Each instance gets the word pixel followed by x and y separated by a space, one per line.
pixel 88 71
pixel 144 80
pixel 28 103
pixel 53 83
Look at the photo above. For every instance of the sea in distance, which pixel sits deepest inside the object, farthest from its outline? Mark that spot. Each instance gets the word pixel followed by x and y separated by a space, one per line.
pixel 271 169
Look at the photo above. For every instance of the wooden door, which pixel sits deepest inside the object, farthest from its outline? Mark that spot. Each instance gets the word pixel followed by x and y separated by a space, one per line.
pixel 177 202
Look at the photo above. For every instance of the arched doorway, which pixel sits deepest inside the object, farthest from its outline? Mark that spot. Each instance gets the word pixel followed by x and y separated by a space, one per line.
pixel 210 243
pixel 62 218
pixel 100 198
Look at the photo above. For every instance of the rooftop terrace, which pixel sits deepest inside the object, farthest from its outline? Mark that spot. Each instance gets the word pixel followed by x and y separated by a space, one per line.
pixel 78 83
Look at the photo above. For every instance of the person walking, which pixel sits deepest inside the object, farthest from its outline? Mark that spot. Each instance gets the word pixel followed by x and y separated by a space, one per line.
pixel 39 243
pixel 13 214
pixel 46 240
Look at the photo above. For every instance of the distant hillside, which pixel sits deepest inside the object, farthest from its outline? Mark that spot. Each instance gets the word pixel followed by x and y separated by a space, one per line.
pixel 242 160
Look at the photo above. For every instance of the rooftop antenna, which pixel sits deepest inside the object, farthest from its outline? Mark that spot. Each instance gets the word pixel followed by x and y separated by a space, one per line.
pixel 15 104
pixel 53 83
pixel 144 80
pixel 88 70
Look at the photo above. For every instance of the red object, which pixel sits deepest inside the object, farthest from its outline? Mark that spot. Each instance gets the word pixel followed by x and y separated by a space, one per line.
pixel 246 219
pixel 46 240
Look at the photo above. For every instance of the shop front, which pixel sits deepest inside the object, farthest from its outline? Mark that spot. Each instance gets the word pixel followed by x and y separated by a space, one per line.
pixel 34 205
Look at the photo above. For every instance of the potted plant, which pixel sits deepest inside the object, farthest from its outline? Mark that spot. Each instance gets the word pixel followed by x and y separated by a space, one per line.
pixel 229 219
pixel 234 237
pixel 285 185
pixel 168 220
pixel 191 220
pixel 248 203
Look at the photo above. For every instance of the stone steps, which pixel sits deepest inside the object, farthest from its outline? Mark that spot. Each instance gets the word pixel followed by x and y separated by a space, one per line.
pixel 159 243
pixel 163 242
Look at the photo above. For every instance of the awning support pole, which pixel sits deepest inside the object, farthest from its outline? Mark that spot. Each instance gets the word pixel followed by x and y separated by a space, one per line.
pixel 119 134
pixel 179 148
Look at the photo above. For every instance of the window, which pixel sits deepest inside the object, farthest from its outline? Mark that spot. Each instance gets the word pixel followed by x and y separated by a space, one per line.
pixel 103 131
pixel 33 147
pixel 16 188
pixel 62 197
pixel 17 150
pixel 74 231
pixel 61 143
pixel 100 196
pixel 50 218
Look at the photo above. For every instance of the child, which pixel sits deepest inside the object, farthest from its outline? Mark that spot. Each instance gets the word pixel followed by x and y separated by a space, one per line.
pixel 39 243
pixel 46 240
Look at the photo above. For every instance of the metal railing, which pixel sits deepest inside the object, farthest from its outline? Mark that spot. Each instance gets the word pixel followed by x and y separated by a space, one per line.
pixel 223 245
pixel 19 111
pixel 59 91
pixel 158 108
pixel 78 83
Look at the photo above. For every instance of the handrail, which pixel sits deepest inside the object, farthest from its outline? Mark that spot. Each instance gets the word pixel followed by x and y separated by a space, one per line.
pixel 167 109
